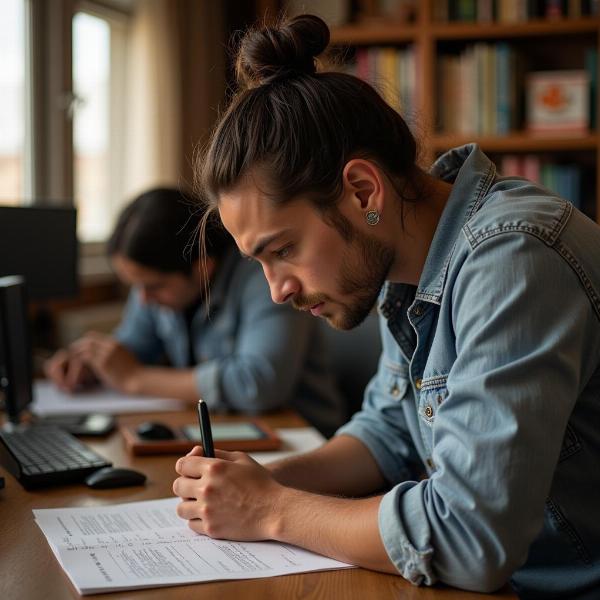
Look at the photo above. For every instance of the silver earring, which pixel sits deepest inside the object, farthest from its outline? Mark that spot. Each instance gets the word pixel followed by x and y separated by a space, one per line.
pixel 372 217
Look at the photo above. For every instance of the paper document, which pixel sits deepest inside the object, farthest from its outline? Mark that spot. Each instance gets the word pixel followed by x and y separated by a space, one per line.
pixel 49 400
pixel 145 544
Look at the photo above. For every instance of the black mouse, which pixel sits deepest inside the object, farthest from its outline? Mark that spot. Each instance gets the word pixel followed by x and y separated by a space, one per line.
pixel 112 477
pixel 154 431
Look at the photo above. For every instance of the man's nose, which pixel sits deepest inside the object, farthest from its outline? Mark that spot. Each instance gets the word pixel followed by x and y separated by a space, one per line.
pixel 282 288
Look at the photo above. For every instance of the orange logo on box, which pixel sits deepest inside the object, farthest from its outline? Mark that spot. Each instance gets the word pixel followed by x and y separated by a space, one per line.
pixel 554 98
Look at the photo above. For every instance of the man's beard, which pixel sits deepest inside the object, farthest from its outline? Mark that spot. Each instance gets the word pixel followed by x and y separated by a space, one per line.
pixel 363 271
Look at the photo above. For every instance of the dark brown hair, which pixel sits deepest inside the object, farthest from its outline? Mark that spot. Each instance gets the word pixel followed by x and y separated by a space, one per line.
pixel 299 127
pixel 159 229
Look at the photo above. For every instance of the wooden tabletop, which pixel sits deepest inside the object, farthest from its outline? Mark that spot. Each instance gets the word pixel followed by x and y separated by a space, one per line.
pixel 29 570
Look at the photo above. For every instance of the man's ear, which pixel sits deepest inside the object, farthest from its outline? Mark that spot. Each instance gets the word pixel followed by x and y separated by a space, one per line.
pixel 363 182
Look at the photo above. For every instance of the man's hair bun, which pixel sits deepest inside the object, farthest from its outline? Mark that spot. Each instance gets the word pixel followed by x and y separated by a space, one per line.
pixel 277 52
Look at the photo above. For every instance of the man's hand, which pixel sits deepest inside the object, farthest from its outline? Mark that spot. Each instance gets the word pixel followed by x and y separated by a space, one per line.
pixel 230 496
pixel 233 497
pixel 112 363
pixel 68 371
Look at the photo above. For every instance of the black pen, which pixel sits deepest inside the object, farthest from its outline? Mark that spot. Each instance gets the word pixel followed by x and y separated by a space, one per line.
pixel 205 430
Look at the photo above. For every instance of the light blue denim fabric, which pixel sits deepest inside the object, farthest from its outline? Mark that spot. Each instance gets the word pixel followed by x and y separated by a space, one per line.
pixel 254 355
pixel 489 384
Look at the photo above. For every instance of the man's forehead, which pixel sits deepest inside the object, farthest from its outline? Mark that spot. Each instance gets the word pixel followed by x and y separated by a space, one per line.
pixel 251 217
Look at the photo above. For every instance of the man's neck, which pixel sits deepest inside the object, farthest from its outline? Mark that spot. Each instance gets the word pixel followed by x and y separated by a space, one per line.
pixel 418 226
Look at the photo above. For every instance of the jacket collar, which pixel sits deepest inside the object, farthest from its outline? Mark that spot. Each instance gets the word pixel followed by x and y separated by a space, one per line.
pixel 472 174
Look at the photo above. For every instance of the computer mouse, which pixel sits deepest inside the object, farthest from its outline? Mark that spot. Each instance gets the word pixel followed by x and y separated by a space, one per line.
pixel 112 477
pixel 154 431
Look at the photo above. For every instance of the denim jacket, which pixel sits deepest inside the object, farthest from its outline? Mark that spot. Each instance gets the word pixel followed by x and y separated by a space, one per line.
pixel 253 355
pixel 484 415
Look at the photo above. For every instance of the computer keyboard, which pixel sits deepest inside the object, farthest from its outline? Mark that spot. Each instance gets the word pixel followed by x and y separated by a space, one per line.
pixel 43 455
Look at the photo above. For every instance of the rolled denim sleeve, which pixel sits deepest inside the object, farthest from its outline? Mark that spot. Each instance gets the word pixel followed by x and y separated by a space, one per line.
pixel 137 330
pixel 498 433
pixel 263 369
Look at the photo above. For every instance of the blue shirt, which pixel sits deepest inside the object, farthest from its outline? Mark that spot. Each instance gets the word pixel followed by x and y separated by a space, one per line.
pixel 253 355
pixel 484 415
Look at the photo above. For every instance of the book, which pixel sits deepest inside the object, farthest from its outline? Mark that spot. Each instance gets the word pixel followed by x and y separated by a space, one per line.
pixel 558 101
pixel 591 66
pixel 145 544
pixel 505 89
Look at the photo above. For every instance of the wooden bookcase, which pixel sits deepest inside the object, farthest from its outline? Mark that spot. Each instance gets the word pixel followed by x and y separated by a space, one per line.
pixel 560 41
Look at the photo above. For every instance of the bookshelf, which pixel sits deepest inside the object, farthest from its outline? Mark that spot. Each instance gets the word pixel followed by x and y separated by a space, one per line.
pixel 539 44
pixel 555 42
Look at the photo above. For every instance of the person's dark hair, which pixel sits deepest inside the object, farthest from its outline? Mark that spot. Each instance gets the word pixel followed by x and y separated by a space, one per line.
pixel 159 230
pixel 299 127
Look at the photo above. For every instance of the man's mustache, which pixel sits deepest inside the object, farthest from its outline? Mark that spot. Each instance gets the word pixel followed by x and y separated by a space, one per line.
pixel 301 302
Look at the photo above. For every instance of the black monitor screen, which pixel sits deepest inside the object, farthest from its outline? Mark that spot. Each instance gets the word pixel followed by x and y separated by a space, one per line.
pixel 15 347
pixel 40 243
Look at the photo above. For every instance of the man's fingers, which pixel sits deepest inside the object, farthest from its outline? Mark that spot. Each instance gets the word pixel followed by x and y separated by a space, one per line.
pixel 56 372
pixel 189 466
pixel 224 454
pixel 74 373
pixel 188 509
pixel 55 368
pixel 197 525
pixel 195 451
pixel 192 466
pixel 81 345
pixel 185 487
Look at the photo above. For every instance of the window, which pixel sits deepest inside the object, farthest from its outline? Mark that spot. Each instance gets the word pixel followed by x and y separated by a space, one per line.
pixel 98 108
pixel 13 101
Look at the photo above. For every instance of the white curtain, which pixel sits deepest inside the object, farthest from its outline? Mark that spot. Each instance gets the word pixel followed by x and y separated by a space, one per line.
pixel 175 83
pixel 153 128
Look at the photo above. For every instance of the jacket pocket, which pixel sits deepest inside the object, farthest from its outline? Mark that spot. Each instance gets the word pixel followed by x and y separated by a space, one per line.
pixel 395 380
pixel 432 395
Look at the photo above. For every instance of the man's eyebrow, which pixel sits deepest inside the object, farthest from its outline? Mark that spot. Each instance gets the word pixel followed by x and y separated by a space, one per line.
pixel 262 244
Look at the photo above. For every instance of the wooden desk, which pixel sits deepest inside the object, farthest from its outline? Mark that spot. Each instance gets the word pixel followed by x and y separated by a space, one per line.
pixel 29 570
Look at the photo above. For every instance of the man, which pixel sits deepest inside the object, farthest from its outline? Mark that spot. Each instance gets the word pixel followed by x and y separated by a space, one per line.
pixel 475 456
pixel 224 339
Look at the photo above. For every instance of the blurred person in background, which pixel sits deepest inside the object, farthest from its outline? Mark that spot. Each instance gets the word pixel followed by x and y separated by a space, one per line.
pixel 224 339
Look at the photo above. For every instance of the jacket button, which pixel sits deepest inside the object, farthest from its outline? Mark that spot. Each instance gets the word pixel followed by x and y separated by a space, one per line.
pixel 428 412
pixel 418 384
pixel 395 390
pixel 418 310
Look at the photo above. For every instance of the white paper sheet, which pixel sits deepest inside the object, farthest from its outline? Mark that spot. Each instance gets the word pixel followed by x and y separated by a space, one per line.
pixel 145 544
pixel 49 400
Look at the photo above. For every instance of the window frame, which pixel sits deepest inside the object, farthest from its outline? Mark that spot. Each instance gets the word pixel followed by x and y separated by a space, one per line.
pixel 50 146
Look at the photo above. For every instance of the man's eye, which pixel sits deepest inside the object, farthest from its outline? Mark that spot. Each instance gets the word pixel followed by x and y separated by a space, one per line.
pixel 283 252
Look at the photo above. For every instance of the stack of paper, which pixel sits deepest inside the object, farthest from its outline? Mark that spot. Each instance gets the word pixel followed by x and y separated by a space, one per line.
pixel 49 400
pixel 145 544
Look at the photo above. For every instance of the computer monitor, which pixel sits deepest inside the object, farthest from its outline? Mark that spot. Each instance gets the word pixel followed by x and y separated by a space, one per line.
pixel 15 347
pixel 40 243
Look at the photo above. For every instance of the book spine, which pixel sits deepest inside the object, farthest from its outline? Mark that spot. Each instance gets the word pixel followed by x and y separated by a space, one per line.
pixel 591 66
pixel 466 10
pixel 531 168
pixel 510 166
pixel 485 11
pixel 362 64
pixel 503 88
